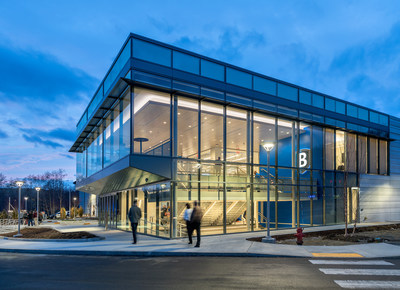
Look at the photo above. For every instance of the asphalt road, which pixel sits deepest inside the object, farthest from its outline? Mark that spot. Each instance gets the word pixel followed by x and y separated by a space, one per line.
pixel 22 271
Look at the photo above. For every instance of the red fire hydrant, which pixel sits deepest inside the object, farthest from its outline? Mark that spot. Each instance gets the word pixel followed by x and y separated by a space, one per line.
pixel 299 236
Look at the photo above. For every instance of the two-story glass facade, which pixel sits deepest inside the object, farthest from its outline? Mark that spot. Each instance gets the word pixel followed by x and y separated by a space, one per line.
pixel 167 127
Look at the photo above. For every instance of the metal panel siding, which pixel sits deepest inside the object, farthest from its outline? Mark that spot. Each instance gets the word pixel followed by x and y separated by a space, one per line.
pixel 379 198
pixel 395 146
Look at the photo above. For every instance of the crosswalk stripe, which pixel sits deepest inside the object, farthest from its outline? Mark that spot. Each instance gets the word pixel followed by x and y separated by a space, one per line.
pixel 368 284
pixel 345 262
pixel 337 255
pixel 376 272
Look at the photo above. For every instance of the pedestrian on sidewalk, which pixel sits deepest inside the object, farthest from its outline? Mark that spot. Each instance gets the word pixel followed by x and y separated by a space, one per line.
pixel 30 219
pixel 186 216
pixel 134 216
pixel 195 221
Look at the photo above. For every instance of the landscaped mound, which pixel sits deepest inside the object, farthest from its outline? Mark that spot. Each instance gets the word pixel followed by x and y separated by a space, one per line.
pixel 371 234
pixel 49 233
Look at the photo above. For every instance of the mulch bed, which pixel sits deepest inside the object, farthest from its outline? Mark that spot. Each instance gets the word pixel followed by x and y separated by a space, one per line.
pixel 49 233
pixel 361 235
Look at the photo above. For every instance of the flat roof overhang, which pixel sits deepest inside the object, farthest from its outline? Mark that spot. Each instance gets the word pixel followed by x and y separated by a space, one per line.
pixel 129 172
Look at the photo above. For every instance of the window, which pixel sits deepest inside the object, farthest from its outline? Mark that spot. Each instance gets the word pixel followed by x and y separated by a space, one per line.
pixel 238 78
pixel 264 86
pixel 287 92
pixel 285 135
pixel 383 120
pixel 340 150
pixel 212 131
pixel 318 147
pixel 330 104
pixel 264 132
pixel 212 70
pixel 329 149
pixel 188 119
pixel 340 107
pixel 382 157
pixel 362 154
pixel 363 114
pixel 186 62
pixel 151 122
pixel 352 111
pixel 236 135
pixel 318 101
pixel 374 117
pixel 373 155
pixel 305 97
pixel 351 152
pixel 151 52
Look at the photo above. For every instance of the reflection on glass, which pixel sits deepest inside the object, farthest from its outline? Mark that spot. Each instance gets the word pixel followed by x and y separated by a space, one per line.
pixel 188 117
pixel 212 123
pixel 151 122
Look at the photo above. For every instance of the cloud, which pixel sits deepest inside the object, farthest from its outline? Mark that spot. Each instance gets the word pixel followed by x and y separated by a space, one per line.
pixel 67 156
pixel 36 76
pixel 38 140
pixel 58 134
pixel 3 135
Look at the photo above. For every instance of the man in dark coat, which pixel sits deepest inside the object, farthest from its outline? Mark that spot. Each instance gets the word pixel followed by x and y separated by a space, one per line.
pixel 195 221
pixel 134 216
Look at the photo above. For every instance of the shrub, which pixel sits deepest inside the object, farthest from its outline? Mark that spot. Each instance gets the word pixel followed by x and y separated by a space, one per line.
pixel 15 214
pixel 4 214
pixel 73 212
pixel 80 211
pixel 63 213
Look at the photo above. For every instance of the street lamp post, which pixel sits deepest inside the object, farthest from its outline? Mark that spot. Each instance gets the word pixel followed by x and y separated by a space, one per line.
pixel 37 205
pixel 268 239
pixel 75 202
pixel 26 203
pixel 19 184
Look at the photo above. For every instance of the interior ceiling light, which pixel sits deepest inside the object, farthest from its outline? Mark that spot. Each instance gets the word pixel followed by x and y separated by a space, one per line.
pixel 164 122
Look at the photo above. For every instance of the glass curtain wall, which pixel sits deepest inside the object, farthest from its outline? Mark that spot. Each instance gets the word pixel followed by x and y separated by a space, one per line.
pixel 221 162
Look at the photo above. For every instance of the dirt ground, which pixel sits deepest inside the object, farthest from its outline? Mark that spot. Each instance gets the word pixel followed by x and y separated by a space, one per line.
pixel 375 234
pixel 49 233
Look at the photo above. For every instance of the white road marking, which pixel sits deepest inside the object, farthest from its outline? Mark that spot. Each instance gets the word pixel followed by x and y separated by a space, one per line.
pixel 346 262
pixel 367 284
pixel 375 272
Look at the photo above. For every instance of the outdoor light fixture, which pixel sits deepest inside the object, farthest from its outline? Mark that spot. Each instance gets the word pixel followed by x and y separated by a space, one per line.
pixel 268 239
pixel 37 204
pixel 19 184
pixel 268 146
pixel 26 203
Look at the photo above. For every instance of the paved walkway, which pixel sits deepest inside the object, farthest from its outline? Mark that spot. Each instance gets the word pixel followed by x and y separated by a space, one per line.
pixel 118 243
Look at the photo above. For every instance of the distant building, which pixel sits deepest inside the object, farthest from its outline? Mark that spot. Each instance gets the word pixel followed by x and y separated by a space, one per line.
pixel 168 126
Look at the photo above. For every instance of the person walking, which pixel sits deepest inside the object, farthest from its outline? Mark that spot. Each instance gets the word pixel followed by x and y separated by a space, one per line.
pixel 186 216
pixel 30 219
pixel 195 221
pixel 134 216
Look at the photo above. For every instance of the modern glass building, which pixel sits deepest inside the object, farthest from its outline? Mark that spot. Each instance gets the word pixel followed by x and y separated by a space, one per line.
pixel 168 126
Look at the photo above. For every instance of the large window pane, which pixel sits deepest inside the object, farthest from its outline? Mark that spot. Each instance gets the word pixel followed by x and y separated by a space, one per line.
pixel 340 151
pixel 362 154
pixel 151 52
pixel 285 148
pixel 212 70
pixel 304 157
pixel 305 97
pixel 287 92
pixel 186 62
pixel 329 149
pixel 236 135
pixel 212 131
pixel 352 111
pixel 238 78
pixel 151 122
pixel 264 86
pixel 373 155
pixel 318 101
pixel 318 147
pixel 351 152
pixel 382 157
pixel 188 118
pixel 264 132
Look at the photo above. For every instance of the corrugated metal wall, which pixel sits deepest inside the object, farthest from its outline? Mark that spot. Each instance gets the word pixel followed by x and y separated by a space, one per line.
pixel 380 195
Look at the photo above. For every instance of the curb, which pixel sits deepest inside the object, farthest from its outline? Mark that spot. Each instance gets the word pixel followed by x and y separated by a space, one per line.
pixel 144 254
pixel 54 240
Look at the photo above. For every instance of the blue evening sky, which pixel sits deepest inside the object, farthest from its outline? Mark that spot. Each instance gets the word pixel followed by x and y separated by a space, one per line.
pixel 53 55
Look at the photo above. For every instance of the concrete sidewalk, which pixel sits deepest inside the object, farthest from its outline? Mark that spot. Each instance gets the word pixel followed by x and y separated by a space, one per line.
pixel 119 243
